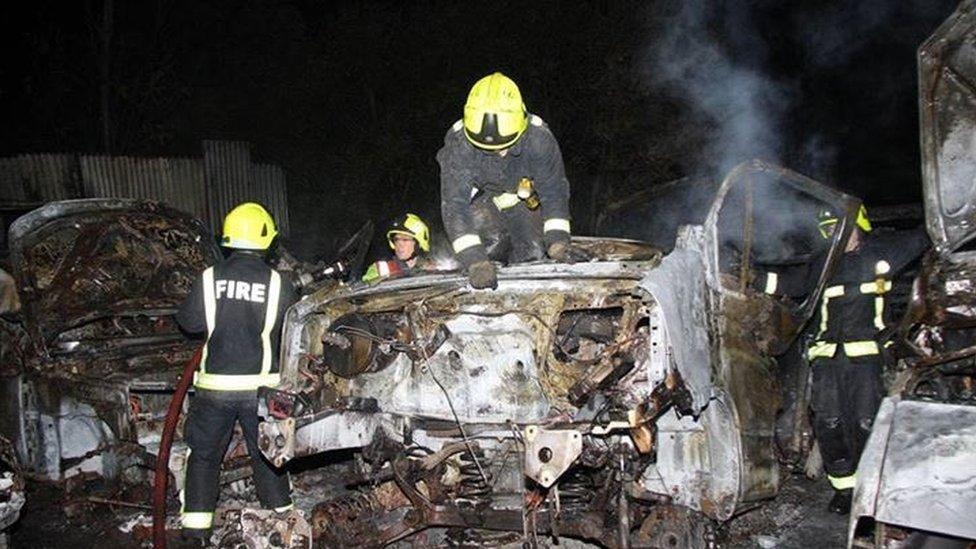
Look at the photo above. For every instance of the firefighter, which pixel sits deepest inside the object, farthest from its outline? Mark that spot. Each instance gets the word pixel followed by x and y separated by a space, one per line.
pixel 409 238
pixel 240 305
pixel 509 157
pixel 845 355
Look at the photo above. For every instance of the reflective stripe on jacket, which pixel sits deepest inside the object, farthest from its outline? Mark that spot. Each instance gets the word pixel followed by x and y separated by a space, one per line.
pixel 853 304
pixel 240 305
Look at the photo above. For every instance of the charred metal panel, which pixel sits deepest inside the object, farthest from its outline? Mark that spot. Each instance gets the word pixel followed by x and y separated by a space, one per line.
pixel 487 366
pixel 678 288
pixel 699 461
pixel 747 374
pixel 947 117
pixel 918 468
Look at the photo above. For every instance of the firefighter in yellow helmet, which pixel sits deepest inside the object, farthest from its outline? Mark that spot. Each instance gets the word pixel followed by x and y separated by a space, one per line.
pixel 845 355
pixel 409 238
pixel 239 304
pixel 506 160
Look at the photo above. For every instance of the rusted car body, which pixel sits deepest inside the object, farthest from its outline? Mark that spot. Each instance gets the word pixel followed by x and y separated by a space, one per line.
pixel 626 400
pixel 90 366
pixel 917 475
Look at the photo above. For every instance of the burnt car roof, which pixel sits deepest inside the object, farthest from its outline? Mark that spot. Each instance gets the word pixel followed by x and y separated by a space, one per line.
pixel 612 258
pixel 77 260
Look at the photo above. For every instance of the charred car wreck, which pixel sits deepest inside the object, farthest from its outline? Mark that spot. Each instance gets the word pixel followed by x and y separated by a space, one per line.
pixel 917 475
pixel 628 400
pixel 90 366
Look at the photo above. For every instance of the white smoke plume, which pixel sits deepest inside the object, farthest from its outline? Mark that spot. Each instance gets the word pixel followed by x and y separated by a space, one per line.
pixel 739 108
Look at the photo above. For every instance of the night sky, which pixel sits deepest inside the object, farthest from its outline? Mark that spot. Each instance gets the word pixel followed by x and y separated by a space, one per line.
pixel 353 99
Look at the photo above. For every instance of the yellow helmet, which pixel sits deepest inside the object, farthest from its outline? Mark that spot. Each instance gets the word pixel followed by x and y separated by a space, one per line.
pixel 494 115
pixel 248 227
pixel 410 225
pixel 826 219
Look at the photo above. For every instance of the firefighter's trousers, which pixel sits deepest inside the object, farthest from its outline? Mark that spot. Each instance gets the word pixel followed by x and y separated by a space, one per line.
pixel 208 431
pixel 846 395
pixel 510 235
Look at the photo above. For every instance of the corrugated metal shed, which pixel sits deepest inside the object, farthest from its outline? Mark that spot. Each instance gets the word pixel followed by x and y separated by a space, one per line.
pixel 206 187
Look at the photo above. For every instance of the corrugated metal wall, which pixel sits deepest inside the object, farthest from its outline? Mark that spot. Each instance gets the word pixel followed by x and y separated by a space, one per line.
pixel 31 179
pixel 206 188
pixel 178 182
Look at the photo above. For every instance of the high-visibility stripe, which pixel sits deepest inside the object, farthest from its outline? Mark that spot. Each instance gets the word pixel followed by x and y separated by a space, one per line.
pixel 505 201
pixel 772 279
pixel 879 286
pixel 866 347
pixel 288 507
pixel 270 316
pixel 829 293
pixel 833 291
pixel 210 312
pixel 842 483
pixel 821 349
pixel 197 520
pixel 824 349
pixel 231 382
pixel 556 224
pixel 465 241
pixel 879 312
pixel 383 268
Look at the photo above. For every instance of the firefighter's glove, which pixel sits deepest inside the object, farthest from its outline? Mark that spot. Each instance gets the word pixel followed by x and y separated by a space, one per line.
pixel 482 275
pixel 564 252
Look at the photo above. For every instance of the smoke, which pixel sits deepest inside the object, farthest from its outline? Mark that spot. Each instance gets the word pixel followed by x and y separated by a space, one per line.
pixel 738 107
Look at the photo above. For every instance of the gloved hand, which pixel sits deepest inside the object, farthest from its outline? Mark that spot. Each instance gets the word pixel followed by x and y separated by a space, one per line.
pixel 482 275
pixel 564 252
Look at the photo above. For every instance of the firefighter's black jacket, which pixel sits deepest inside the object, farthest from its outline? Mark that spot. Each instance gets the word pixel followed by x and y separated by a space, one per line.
pixel 851 296
pixel 244 339
pixel 466 169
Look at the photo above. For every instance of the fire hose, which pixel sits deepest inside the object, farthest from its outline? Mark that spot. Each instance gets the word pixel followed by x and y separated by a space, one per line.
pixel 165 445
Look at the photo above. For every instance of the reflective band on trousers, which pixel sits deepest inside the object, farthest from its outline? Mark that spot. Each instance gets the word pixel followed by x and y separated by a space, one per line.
pixel 506 200
pixel 556 224
pixel 196 521
pixel 242 382
pixel 230 382
pixel 771 281
pixel 288 507
pixel 842 483
pixel 823 349
pixel 465 241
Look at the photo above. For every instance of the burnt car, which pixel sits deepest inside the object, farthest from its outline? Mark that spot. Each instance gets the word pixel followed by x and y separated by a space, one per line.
pixel 92 359
pixel 628 400
pixel 917 475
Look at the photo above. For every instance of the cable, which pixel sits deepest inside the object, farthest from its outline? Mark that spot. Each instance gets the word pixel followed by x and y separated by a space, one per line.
pixel 457 420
